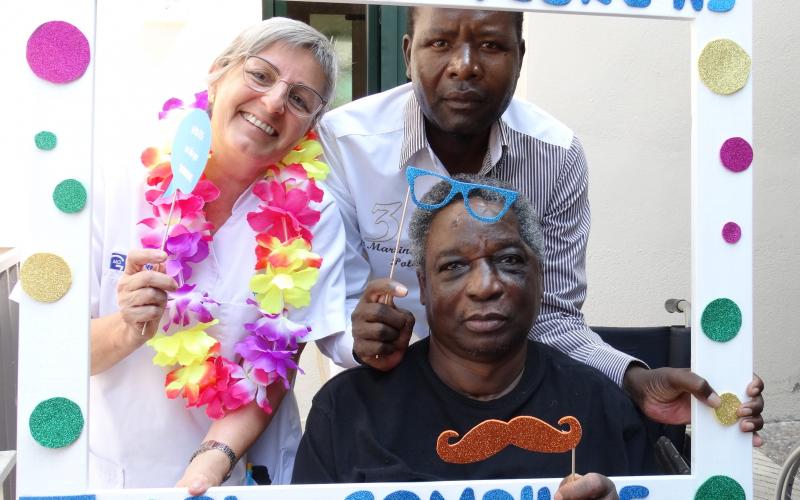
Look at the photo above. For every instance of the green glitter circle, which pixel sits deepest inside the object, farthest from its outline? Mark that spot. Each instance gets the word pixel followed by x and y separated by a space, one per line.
pixel 721 320
pixel 45 140
pixel 720 488
pixel 56 422
pixel 69 196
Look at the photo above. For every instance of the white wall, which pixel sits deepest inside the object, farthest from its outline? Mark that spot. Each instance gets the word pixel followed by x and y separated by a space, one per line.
pixel 624 88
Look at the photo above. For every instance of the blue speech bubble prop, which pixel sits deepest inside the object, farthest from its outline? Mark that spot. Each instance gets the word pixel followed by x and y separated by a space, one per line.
pixel 190 151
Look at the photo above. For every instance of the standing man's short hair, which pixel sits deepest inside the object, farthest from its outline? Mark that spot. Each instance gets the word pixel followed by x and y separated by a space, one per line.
pixel 412 14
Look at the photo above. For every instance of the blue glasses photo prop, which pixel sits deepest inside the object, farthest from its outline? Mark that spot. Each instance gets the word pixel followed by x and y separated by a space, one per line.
pixel 414 175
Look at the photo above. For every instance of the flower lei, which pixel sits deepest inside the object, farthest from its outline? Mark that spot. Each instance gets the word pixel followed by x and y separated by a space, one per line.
pixel 286 269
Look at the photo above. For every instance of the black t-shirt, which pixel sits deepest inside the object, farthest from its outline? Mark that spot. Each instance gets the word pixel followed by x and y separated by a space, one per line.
pixel 370 426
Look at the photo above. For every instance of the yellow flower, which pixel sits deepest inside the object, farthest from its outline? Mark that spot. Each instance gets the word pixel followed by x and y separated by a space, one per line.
pixel 279 254
pixel 306 154
pixel 280 286
pixel 185 347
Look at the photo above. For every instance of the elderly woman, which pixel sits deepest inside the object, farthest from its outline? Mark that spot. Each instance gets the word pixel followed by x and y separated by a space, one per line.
pixel 222 314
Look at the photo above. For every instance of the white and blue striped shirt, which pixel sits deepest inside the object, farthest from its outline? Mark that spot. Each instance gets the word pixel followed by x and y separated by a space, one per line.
pixel 369 142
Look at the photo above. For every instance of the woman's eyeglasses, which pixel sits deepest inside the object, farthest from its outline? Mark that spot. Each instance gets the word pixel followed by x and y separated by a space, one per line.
pixel 261 76
pixel 484 212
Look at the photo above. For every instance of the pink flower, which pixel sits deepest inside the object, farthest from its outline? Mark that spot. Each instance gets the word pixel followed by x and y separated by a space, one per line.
pixel 294 176
pixel 229 391
pixel 286 213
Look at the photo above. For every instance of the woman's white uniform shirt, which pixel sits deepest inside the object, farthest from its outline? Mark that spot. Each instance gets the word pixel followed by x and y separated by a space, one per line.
pixel 140 438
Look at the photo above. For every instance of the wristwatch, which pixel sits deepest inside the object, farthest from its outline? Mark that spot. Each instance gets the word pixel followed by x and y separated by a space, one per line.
pixel 216 445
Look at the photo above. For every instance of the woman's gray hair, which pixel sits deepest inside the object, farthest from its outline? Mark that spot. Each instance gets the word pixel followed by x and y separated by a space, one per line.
pixel 280 30
pixel 529 227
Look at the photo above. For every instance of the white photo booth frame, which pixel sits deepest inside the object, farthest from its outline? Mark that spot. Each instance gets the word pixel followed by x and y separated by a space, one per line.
pixel 53 344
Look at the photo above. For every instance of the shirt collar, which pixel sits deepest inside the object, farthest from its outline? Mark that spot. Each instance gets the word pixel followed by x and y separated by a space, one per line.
pixel 414 137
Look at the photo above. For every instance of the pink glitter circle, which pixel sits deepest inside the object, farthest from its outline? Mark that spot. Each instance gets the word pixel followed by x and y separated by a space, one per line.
pixel 731 232
pixel 58 52
pixel 736 154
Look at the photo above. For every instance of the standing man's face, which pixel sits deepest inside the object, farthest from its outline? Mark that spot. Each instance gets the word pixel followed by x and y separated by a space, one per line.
pixel 464 65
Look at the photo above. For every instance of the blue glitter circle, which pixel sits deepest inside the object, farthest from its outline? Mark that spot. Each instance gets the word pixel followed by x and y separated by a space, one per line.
pixel 633 492
pixel 544 494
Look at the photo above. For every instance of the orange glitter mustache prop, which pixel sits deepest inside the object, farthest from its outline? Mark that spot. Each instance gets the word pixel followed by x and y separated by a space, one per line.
pixel 491 436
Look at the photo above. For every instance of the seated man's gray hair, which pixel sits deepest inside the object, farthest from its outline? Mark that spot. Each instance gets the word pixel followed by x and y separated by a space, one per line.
pixel 420 225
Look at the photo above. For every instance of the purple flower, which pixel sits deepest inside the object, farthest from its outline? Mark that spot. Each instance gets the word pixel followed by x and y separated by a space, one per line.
pixel 201 100
pixel 185 300
pixel 278 329
pixel 268 363
pixel 169 105
pixel 183 249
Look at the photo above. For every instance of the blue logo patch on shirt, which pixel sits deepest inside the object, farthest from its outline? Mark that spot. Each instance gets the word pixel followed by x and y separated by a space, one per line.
pixel 117 261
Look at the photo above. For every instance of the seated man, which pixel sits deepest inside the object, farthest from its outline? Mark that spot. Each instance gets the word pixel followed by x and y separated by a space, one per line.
pixel 481 285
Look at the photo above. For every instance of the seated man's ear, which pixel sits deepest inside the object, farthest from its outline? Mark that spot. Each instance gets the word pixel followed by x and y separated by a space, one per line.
pixel 423 293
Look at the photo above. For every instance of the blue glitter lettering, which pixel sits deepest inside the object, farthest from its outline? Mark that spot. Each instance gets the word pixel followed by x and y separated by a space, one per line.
pixel 721 5
pixel 360 495
pixel 526 493
pixel 436 495
pixel 467 494
pixel 638 3
pixel 544 494
pixel 696 4
pixel 498 495
pixel 557 2
pixel 401 495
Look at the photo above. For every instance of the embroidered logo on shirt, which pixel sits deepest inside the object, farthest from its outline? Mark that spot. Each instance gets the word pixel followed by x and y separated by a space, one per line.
pixel 387 221
pixel 117 261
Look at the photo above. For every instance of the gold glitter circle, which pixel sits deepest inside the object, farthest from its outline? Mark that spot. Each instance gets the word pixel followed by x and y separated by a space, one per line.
pixel 724 66
pixel 45 277
pixel 726 414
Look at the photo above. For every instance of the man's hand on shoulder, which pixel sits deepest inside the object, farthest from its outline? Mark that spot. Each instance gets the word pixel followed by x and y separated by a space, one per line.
pixel 590 486
pixel 381 330
pixel 664 395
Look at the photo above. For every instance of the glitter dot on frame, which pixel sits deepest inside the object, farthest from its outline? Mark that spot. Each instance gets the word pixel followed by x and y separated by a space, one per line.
pixel 736 154
pixel 45 140
pixel 724 66
pixel 69 196
pixel 719 488
pixel 56 422
pixel 45 277
pixel 731 232
pixel 721 320
pixel 726 413
pixel 58 52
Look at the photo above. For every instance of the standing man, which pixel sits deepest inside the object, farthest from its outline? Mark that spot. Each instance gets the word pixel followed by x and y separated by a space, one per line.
pixel 458 115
